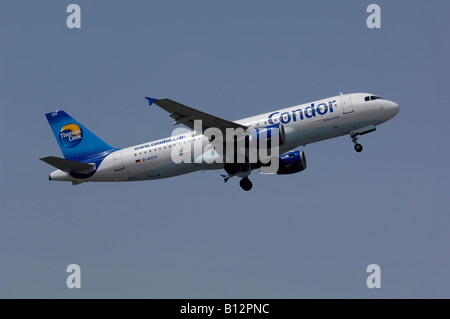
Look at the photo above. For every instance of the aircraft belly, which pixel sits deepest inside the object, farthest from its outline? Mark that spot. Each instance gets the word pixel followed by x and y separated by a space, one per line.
pixel 312 135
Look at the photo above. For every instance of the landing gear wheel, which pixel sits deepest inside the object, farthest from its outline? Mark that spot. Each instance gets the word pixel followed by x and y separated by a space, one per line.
pixel 358 147
pixel 246 184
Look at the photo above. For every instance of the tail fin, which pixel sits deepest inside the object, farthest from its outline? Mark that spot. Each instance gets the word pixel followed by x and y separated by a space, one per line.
pixel 77 143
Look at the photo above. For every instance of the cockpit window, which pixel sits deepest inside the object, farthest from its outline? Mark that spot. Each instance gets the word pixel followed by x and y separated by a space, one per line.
pixel 371 98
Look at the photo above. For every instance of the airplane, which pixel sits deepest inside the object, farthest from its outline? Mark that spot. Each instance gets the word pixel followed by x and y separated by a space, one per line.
pixel 87 158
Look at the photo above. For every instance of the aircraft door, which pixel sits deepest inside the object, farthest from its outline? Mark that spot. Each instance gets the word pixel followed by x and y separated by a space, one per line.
pixel 347 106
pixel 118 163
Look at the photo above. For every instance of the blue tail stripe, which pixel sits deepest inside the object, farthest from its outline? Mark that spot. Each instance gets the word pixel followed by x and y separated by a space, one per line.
pixel 77 143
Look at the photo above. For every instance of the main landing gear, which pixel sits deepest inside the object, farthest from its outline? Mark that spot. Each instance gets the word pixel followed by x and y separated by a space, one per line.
pixel 246 184
pixel 240 170
pixel 358 147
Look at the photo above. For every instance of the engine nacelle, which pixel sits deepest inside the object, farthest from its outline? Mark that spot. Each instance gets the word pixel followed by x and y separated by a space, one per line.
pixel 265 136
pixel 292 162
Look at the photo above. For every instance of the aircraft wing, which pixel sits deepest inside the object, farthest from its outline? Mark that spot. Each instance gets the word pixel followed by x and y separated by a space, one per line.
pixel 186 115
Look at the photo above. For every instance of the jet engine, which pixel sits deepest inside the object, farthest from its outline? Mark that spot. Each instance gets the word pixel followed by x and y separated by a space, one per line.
pixel 292 162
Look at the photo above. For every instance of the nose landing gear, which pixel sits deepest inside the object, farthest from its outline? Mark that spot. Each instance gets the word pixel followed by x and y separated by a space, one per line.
pixel 358 147
pixel 361 131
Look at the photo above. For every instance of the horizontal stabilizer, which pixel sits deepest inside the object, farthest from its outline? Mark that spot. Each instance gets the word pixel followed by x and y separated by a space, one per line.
pixel 69 166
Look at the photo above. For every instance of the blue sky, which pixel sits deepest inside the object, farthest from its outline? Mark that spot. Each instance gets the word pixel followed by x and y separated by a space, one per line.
pixel 306 235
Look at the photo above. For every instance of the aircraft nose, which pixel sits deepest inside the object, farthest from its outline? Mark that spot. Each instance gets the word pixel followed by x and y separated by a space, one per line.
pixel 395 108
pixel 391 108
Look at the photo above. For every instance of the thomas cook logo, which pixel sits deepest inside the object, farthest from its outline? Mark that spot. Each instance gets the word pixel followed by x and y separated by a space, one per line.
pixel 70 135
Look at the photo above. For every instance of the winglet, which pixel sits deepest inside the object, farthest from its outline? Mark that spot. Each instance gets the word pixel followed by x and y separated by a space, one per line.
pixel 150 100
pixel 225 177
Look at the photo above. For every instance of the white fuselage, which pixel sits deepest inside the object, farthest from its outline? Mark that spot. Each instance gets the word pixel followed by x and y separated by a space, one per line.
pixel 304 124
